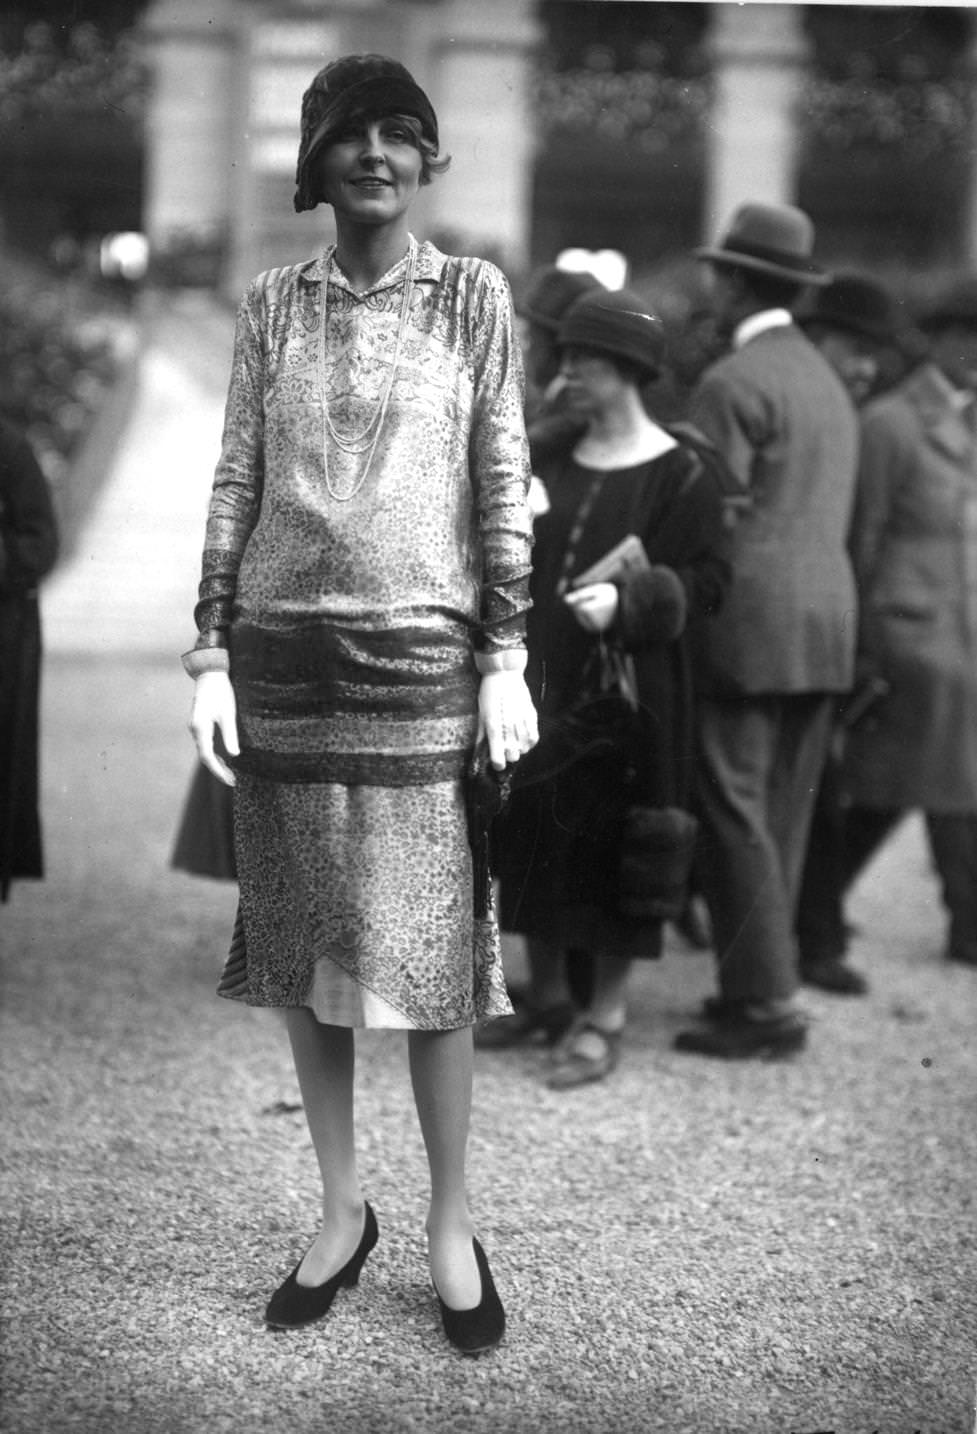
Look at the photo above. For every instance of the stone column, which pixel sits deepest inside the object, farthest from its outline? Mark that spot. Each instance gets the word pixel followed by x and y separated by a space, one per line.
pixel 188 141
pixel 478 73
pixel 759 54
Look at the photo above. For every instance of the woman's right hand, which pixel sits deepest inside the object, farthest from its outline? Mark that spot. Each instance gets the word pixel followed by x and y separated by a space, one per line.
pixel 214 709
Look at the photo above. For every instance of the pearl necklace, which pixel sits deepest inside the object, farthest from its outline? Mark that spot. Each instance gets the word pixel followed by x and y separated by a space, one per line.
pixel 366 441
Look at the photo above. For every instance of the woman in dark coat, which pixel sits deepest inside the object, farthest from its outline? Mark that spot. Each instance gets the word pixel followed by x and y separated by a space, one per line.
pixel 560 848
pixel 28 549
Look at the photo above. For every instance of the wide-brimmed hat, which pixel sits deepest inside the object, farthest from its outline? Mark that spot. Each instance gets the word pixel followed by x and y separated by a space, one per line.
pixel 857 306
pixel 550 294
pixel 355 84
pixel 772 239
pixel 617 323
pixel 955 306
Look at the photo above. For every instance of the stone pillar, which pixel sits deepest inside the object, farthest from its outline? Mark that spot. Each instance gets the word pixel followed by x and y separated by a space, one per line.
pixel 479 73
pixel 188 171
pixel 759 54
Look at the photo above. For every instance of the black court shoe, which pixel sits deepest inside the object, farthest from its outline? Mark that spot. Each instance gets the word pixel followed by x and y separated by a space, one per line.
pixel 481 1328
pixel 293 1305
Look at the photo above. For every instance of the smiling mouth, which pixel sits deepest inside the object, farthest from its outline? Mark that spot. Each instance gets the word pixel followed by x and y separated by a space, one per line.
pixel 371 181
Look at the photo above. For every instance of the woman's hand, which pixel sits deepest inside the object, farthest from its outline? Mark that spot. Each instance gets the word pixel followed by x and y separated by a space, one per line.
pixel 214 708
pixel 506 717
pixel 594 606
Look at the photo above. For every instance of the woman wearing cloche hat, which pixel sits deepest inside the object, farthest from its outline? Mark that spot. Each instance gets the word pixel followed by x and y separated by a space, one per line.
pixel 628 555
pixel 361 622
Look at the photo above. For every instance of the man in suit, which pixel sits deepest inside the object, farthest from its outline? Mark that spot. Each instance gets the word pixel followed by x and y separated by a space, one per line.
pixel 771 663
pixel 914 544
pixel 861 330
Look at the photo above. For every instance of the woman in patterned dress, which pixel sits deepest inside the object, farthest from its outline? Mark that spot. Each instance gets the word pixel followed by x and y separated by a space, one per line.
pixel 361 623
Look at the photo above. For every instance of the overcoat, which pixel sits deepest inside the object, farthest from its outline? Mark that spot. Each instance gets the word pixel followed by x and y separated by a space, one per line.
pixel 28 549
pixel 781 418
pixel 914 544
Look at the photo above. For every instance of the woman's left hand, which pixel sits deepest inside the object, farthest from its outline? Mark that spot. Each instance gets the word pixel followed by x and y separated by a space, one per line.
pixel 506 717
pixel 594 606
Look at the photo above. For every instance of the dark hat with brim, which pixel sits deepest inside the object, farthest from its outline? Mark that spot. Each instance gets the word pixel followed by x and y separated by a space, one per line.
pixel 776 240
pixel 354 85
pixel 956 307
pixel 550 294
pixel 616 323
pixel 856 306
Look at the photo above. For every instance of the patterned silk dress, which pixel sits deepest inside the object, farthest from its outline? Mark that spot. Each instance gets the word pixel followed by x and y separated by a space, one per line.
pixel 353 592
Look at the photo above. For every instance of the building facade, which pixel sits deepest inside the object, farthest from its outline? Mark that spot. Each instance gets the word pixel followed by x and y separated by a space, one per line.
pixel 532 170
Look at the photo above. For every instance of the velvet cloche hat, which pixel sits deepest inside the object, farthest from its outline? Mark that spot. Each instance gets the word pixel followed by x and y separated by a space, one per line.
pixel 772 239
pixel 354 85
pixel 617 323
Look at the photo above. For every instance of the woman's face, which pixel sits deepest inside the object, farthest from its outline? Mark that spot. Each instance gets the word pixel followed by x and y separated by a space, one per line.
pixel 593 383
pixel 371 171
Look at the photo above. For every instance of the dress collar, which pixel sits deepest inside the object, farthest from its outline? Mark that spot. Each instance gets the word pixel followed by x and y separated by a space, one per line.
pixel 430 263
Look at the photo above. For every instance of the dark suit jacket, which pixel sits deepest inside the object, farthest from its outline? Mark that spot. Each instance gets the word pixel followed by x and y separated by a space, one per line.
pixel 915 549
pixel 780 415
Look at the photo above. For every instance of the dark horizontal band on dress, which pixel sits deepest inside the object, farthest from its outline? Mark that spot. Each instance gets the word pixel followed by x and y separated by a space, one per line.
pixel 320 669
pixel 369 769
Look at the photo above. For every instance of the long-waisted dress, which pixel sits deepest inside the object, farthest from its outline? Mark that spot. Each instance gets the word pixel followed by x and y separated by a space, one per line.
pixel 558 847
pixel 353 592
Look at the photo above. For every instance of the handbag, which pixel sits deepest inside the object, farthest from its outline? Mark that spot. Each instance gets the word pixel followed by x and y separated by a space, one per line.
pixel 657 850
pixel 487 792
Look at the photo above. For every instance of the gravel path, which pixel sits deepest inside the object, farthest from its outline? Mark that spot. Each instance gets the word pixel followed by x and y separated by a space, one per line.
pixel 691 1247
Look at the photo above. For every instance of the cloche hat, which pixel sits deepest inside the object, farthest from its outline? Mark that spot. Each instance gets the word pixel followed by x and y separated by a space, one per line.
pixel 858 306
pixel 618 323
pixel 550 294
pixel 346 87
pixel 772 239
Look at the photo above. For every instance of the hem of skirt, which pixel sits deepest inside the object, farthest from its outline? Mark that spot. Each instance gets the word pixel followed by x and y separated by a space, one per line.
pixel 246 999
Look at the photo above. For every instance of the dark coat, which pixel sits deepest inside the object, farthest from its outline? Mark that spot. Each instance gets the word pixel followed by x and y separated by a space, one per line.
pixel 780 416
pixel 558 848
pixel 28 549
pixel 914 542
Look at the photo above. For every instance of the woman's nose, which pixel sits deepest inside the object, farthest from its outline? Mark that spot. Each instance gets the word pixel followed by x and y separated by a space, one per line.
pixel 372 150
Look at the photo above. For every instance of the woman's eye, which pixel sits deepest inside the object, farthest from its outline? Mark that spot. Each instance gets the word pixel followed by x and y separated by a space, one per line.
pixel 397 133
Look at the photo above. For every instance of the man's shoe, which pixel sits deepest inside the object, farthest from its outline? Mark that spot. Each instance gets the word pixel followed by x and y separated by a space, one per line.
pixel 719 1009
pixel 743 1038
pixel 832 973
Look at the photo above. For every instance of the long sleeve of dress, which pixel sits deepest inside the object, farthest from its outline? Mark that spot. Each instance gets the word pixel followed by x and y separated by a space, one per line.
pixel 236 496
pixel 499 459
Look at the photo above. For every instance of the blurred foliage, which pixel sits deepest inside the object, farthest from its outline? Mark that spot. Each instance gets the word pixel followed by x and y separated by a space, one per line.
pixel 643 107
pixel 920 120
pixel 58 358
pixel 63 73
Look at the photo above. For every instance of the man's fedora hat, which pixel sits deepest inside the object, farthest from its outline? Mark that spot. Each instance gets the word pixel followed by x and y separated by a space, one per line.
pixel 955 307
pixel 772 239
pixel 855 305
